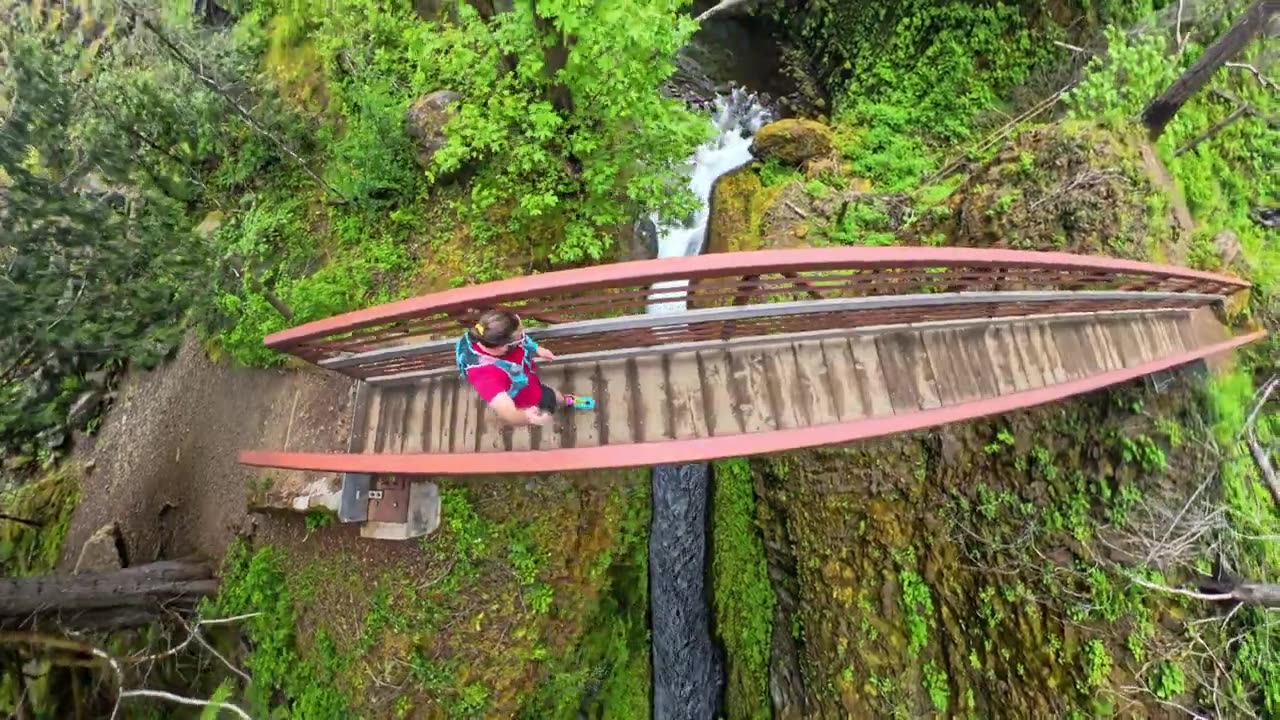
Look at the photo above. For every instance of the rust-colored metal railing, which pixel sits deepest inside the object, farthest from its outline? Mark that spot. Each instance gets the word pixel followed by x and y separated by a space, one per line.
pixel 735 295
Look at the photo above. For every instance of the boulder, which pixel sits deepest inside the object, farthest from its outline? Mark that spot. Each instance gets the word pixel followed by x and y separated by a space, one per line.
pixel 425 122
pixel 730 227
pixel 793 141
pixel 84 408
pixel 101 552
pixel 1228 245
pixel 295 492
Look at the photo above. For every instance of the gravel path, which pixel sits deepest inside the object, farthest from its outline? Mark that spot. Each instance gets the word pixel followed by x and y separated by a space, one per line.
pixel 164 463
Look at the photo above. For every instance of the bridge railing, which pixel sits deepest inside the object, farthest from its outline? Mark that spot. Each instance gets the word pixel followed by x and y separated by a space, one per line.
pixel 607 309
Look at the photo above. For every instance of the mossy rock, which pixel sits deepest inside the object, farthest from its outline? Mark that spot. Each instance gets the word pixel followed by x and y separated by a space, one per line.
pixel 730 227
pixel 793 141
pixel 1071 187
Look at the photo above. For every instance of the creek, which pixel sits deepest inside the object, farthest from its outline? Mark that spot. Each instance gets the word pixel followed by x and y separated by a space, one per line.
pixel 688 672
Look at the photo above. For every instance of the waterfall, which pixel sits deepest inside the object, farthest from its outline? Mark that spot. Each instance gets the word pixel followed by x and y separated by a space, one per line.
pixel 687 674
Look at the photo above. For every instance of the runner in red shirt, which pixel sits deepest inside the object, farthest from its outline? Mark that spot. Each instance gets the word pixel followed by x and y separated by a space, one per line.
pixel 499 360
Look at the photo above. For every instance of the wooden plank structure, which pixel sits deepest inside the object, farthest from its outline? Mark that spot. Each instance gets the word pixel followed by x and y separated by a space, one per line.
pixel 774 350
pixel 780 383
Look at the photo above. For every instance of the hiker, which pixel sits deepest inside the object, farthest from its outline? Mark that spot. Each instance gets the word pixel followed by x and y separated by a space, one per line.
pixel 498 358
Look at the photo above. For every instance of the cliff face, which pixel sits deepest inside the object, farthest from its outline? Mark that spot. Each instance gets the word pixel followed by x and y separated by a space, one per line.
pixel 978 570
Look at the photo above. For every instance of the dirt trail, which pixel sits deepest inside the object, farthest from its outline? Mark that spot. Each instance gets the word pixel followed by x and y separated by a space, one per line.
pixel 164 462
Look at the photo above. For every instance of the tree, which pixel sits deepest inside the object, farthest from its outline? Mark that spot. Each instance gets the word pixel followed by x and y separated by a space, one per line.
pixel 1161 110
pixel 99 261
pixel 562 113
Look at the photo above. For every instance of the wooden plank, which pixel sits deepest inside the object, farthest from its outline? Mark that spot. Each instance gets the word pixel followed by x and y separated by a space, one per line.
pixel 586 423
pixel 1007 373
pixel 372 415
pixel 613 400
pixel 551 435
pixel 750 392
pixel 465 414
pixel 1181 331
pixel 1053 357
pixel 1152 341
pixel 842 377
pixel 872 385
pixel 415 418
pixel 1103 359
pixel 814 388
pixel 1129 341
pixel 973 349
pixel 782 379
pixel 1077 357
pixel 442 415
pixel 905 364
pixel 685 387
pixel 719 411
pixel 359 418
pixel 1032 354
pixel 492 434
pixel 1167 326
pixel 955 376
pixel 432 390
pixel 650 398
pixel 390 417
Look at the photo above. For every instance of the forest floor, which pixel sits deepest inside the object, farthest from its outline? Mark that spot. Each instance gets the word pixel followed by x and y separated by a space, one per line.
pixel 163 465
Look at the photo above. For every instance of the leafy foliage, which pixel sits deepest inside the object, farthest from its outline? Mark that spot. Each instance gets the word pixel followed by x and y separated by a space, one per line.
pixel 254 582
pixel 99 266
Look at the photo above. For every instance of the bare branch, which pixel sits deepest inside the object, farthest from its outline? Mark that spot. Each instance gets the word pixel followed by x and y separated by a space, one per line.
pixel 186 701
pixel 724 6
pixel 1262 79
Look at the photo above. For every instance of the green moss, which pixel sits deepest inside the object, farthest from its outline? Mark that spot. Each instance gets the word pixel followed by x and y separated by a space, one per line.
pixel 743 596
pixel 49 501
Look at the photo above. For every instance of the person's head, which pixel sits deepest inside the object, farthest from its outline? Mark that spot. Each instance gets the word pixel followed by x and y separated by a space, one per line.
pixel 498 328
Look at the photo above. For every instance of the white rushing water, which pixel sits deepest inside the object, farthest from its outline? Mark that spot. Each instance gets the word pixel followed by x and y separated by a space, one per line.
pixel 738 116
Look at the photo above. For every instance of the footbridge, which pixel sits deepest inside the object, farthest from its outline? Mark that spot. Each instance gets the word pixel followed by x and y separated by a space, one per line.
pixel 697 358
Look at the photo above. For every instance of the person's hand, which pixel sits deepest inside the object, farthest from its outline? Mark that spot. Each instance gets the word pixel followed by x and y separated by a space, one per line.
pixel 537 417
pixel 545 354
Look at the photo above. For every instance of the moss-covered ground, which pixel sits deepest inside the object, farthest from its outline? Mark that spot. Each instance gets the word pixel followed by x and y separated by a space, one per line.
pixel 530 601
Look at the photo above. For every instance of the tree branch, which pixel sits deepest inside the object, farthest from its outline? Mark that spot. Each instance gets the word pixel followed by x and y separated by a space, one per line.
pixel 185 701
pixel 723 7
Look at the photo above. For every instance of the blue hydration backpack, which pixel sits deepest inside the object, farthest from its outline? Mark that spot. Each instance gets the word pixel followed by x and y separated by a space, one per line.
pixel 468 357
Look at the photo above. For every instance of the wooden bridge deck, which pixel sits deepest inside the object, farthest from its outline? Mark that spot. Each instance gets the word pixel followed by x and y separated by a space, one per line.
pixel 781 384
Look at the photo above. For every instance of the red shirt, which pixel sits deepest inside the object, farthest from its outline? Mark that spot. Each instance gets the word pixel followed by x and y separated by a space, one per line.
pixel 491 380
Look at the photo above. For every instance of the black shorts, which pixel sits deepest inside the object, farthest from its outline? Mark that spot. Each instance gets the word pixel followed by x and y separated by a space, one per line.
pixel 547 403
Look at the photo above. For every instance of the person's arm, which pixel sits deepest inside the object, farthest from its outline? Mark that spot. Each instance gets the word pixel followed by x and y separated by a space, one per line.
pixel 545 354
pixel 506 409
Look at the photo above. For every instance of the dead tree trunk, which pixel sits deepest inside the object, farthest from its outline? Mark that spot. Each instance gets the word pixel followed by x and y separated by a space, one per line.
pixel 1161 110
pixel 131 597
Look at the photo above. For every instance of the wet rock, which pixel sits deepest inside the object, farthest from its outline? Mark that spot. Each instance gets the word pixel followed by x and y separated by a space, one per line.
pixel 84 408
pixel 101 552
pixel 730 227
pixel 425 122
pixel 1267 217
pixel 793 142
pixel 642 241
